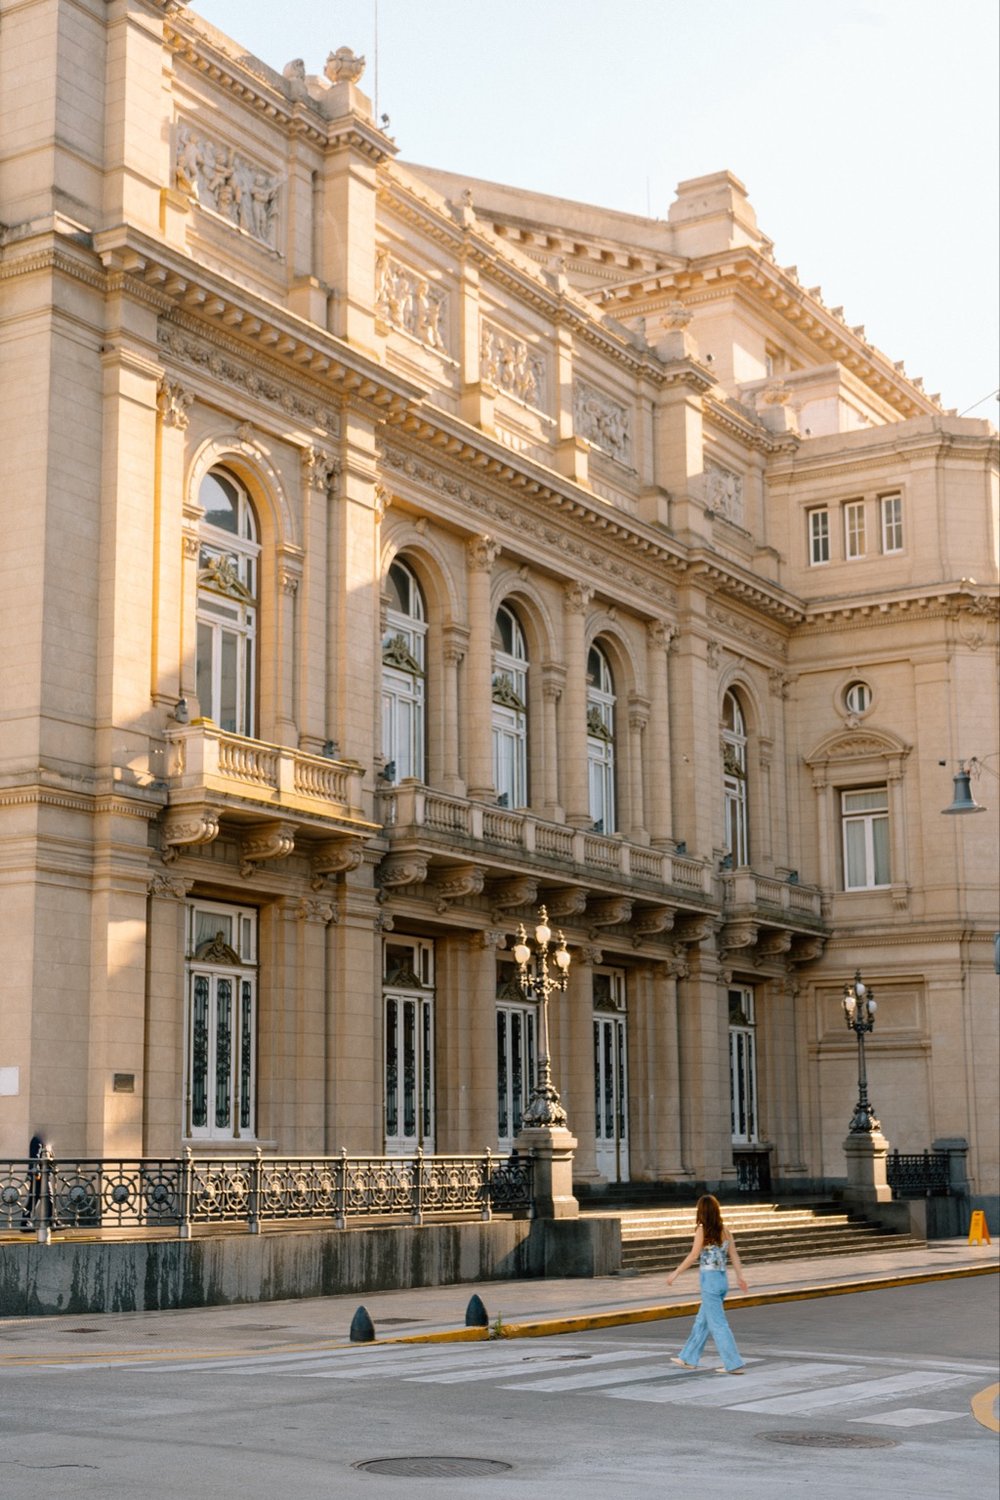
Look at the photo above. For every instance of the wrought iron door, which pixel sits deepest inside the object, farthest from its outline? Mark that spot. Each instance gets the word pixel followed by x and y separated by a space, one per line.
pixel 409 1072
pixel 515 1069
pixel 611 1097
pixel 221 1061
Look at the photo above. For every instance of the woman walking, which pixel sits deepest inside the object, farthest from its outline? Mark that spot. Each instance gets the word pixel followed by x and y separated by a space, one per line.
pixel 709 1248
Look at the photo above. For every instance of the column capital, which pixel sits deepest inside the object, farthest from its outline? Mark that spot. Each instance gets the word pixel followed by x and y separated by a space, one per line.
pixel 576 597
pixel 481 553
pixel 661 635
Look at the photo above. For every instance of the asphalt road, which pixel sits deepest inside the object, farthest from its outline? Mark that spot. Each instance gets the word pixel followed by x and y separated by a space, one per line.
pixel 864 1394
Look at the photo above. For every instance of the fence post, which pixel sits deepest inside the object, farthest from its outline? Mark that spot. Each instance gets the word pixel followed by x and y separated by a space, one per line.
pixel 419 1185
pixel 184 1227
pixel 43 1207
pixel 253 1223
pixel 340 1217
pixel 488 1186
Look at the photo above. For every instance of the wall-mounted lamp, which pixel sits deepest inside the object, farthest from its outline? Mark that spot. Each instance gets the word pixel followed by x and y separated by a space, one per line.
pixel 330 750
pixel 180 713
pixel 681 847
pixel 388 772
pixel 962 799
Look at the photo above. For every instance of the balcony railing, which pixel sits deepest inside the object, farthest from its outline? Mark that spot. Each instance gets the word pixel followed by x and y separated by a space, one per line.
pixel 413 807
pixel 202 756
pixel 744 888
pixel 919 1174
pixel 186 1192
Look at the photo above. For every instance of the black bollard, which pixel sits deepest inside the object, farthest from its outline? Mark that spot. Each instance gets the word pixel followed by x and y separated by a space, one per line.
pixel 362 1327
pixel 476 1315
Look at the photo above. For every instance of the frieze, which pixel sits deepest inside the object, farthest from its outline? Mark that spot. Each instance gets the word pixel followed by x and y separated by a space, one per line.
pixel 741 626
pixel 530 526
pixel 228 184
pixel 604 423
pixel 724 492
pixel 510 366
pixel 408 301
pixel 248 377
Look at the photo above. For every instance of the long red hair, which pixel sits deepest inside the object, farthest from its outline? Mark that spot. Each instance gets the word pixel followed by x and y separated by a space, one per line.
pixel 708 1217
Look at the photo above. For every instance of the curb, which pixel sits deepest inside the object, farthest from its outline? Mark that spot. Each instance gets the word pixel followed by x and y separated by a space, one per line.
pixel 583 1323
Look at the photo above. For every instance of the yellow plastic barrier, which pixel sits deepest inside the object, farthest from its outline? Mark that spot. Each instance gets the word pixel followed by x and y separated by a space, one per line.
pixel 978 1233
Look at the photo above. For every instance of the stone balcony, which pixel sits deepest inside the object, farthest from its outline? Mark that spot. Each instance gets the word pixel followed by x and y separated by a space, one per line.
pixel 272 797
pixel 447 848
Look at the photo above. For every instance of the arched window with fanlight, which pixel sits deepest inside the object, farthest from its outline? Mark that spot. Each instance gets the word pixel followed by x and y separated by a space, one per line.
pixel 734 776
pixel 228 567
pixel 601 741
pixel 404 676
pixel 510 710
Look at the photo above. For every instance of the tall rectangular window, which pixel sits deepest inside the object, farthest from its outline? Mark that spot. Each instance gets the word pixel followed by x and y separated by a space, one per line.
pixel 891 507
pixel 742 1066
pixel 819 537
pixel 854 529
pixel 865 818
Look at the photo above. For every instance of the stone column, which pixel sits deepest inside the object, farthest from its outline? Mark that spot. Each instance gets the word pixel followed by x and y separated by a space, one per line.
pixel 703 1013
pixel 697 777
pixel 355 1017
pixel 481 553
pixel 658 759
pixel 781 1104
pixel 455 641
pixel 654 1074
pixel 573 1056
pixel 553 680
pixel 278 1001
pixel 762 833
pixel 311 664
pixel 309 1007
pixel 465 1005
pixel 164 1110
pixel 285 728
pixel 170 601
pixel 576 791
pixel 638 719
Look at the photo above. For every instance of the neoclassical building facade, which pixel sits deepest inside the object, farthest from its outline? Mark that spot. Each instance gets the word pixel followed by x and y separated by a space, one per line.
pixel 388 555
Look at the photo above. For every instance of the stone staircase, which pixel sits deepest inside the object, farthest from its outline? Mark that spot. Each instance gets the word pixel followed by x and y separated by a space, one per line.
pixel 656 1239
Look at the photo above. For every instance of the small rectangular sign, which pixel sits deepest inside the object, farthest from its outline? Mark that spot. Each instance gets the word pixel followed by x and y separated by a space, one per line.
pixel 124 1083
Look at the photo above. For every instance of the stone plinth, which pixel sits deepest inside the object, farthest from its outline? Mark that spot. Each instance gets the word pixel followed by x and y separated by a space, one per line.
pixel 552 1148
pixel 866 1154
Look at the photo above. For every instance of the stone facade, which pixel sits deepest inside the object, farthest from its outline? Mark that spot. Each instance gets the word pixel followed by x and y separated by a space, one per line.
pixel 388 554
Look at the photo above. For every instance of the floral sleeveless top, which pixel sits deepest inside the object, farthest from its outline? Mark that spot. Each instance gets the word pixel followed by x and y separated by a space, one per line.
pixel 713 1257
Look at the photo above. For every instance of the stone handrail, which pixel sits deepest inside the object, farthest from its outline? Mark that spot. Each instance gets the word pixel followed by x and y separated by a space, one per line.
pixel 202 754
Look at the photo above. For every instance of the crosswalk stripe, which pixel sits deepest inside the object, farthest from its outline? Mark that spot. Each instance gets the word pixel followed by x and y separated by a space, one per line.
pixel 709 1390
pixel 858 1390
pixel 541 1365
pixel 912 1416
pixel 410 1368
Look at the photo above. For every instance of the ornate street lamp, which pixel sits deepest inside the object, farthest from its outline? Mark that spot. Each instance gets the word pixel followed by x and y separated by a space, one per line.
pixel 859 1012
pixel 538 983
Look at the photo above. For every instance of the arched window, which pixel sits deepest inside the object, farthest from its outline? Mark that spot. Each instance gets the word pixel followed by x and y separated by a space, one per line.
pixel 228 561
pixel 734 770
pixel 404 676
pixel 601 741
pixel 510 711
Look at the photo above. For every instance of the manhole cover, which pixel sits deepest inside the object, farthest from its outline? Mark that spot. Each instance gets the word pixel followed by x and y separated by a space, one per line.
pixel 827 1440
pixel 433 1468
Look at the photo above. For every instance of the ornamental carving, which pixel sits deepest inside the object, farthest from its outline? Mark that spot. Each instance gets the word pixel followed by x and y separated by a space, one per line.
pixel 319 469
pixel 569 901
pixel 507 895
pixel 652 922
pixel 344 66
pixel 184 829
pixel 613 911
pixel 334 857
pixel 247 377
pixel 504 693
pixel 724 492
pixel 172 402
pixel 606 424
pixel 408 301
pixel 465 880
pixel 397 654
pixel 227 183
pixel 508 364
pixel 576 597
pixel 265 841
pixel 402 869
pixel 482 552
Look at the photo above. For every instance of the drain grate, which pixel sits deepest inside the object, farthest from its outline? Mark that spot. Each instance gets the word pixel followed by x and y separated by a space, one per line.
pixel 433 1468
pixel 827 1440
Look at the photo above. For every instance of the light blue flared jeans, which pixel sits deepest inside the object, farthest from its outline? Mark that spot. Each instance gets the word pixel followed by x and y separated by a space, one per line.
pixel 711 1319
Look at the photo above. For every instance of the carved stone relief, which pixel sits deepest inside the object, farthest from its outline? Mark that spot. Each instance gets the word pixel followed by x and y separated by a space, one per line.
pixel 724 492
pixel 406 300
pixel 510 366
pixel 604 423
pixel 227 183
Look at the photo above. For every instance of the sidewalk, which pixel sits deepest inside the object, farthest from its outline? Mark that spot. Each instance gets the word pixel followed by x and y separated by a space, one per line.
pixel 524 1308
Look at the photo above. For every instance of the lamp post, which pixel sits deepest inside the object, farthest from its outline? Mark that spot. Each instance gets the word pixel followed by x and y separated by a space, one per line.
pixel 859 1012
pixel 538 982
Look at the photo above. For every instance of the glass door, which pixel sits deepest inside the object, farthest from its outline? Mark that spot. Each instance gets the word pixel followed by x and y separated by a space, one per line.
pixel 611 1076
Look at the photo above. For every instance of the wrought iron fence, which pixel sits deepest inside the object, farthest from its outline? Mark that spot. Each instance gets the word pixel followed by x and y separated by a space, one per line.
pixel 180 1193
pixel 918 1175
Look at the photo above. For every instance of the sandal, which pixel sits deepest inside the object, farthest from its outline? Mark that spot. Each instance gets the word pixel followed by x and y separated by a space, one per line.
pixel 676 1360
pixel 740 1370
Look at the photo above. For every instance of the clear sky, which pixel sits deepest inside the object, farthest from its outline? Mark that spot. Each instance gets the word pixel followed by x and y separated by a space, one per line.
pixel 866 131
